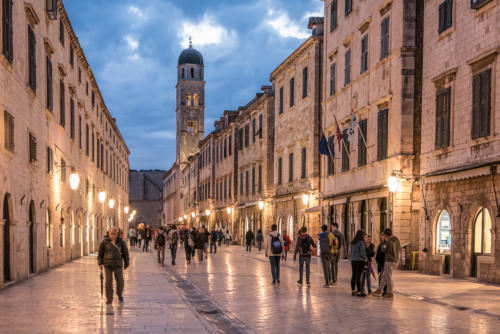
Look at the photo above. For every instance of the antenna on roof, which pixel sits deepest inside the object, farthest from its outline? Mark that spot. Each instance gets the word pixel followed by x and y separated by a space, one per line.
pixel 190 42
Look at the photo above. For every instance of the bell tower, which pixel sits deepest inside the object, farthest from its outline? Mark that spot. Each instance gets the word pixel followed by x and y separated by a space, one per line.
pixel 190 111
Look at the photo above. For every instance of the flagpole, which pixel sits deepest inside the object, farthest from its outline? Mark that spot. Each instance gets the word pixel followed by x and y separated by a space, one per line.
pixel 328 146
pixel 364 141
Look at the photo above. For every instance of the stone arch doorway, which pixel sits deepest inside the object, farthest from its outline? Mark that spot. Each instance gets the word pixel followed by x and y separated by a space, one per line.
pixel 31 231
pixel 481 238
pixel 290 228
pixel 6 238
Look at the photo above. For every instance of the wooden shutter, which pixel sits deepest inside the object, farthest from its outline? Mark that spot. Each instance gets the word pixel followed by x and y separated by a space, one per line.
pixel 72 117
pixel 253 180
pixel 260 126
pixel 382 134
pixel 292 92
pixel 348 7
pixel 280 170
pixel 345 154
pixel 260 178
pixel 442 16
pixel 61 32
pixel 485 98
pixel 281 100
pixel 333 69
pixel 384 38
pixel 290 167
pixel 347 67
pixel 49 160
pixel 31 58
pixel 62 108
pixel 361 143
pixel 303 166
pixel 304 82
pixel 71 54
pixel 476 106
pixel 32 148
pixel 333 15
pixel 364 54
pixel 8 131
pixel 449 13
pixel 63 171
pixel 50 101
pixel 7 30
pixel 330 164
pixel 253 129
pixel 247 183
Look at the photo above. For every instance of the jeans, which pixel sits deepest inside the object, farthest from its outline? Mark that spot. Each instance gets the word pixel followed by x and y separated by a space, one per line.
pixel 188 253
pixel 335 266
pixel 357 271
pixel 173 253
pixel 259 244
pixel 200 254
pixel 307 261
pixel 213 246
pixel 386 278
pixel 118 273
pixel 275 267
pixel 249 247
pixel 145 246
pixel 160 250
pixel 326 260
pixel 366 278
pixel 285 253
pixel 139 243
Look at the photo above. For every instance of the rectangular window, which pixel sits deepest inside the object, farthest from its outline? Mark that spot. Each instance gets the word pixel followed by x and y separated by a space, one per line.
pixel 72 118
pixel 445 15
pixel 93 146
pixel 382 134
pixel 303 164
pixel 225 188
pixel 240 138
pixel 71 54
pixel 330 165
pixel 347 68
pixel 31 59
pixel 229 187
pixel 333 69
pixel 476 4
pixel 281 101
pixel 260 126
pixel 345 154
pixel 50 101
pixel 348 7
pixel 481 104
pixel 225 148
pixel 87 139
pixel 80 131
pixel 98 153
pixel 280 171
pixel 7 35
pixel 384 38
pixel 290 167
pixel 241 183
pixel 364 53
pixel 32 148
pixel 362 128
pixel 333 15
pixel 247 183
pixel 63 171
pixel 304 82
pixel 230 144
pixel 292 92
pixel 259 182
pixel 79 75
pixel 247 134
pixel 62 105
pixel 93 99
pixel 50 160
pixel 253 180
pixel 253 130
pixel 8 130
pixel 61 31
pixel 443 118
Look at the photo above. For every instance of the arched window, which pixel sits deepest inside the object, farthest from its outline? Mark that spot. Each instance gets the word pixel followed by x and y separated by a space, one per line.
pixel 482 232
pixel 188 100
pixel 192 73
pixel 182 74
pixel 48 227
pixel 443 233
pixel 72 217
pixel 201 75
pixel 195 100
pixel 62 229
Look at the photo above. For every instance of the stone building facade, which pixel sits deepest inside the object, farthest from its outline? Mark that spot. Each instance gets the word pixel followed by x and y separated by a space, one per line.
pixel 371 71
pixel 145 196
pixel 297 87
pixel 54 125
pixel 171 205
pixel 460 143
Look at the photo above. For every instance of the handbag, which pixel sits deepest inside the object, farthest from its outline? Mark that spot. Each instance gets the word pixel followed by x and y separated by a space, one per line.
pixel 190 241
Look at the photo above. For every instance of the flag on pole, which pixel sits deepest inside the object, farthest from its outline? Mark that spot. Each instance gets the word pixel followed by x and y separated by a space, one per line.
pixel 338 134
pixel 323 145
pixel 351 129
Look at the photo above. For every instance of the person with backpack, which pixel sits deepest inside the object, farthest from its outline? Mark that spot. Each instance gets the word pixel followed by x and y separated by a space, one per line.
pixel 249 240
pixel 260 239
pixel 140 236
pixel 188 244
pixel 199 241
pixel 358 262
pixel 173 238
pixel 287 242
pixel 213 241
pixel 391 249
pixel 334 264
pixel 303 247
pixel 273 249
pixel 160 241
pixel 328 249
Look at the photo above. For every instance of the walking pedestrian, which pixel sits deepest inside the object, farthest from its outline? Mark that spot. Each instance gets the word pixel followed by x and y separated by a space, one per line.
pixel 207 238
pixel 340 247
pixel 194 233
pixel 131 236
pixel 173 239
pixel 160 241
pixel 147 238
pixel 328 249
pixel 380 259
pixel 188 244
pixel 219 237
pixel 260 239
pixel 358 261
pixel 303 247
pixel 391 248
pixel 273 249
pixel 287 243
pixel 249 240
pixel 228 237
pixel 200 241
pixel 213 241
pixel 368 269
pixel 113 257
pixel 140 236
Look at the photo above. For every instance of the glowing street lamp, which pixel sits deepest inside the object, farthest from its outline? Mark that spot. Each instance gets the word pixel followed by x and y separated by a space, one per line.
pixel 192 214
pixel 228 210
pixel 305 199
pixel 180 219
pixel 393 183
pixel 207 212
pixel 102 196
pixel 261 205
pixel 111 203
pixel 134 212
pixel 185 217
pixel 125 209
pixel 74 181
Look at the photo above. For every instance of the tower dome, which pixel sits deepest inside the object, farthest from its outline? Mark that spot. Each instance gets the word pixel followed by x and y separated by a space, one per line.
pixel 190 56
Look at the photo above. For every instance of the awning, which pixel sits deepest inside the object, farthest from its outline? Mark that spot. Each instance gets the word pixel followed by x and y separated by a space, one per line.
pixel 315 210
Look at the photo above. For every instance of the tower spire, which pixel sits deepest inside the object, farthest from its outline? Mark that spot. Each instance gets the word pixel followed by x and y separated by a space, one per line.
pixel 190 42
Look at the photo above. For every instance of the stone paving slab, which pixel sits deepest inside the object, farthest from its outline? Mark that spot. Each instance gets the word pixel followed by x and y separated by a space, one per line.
pixel 67 300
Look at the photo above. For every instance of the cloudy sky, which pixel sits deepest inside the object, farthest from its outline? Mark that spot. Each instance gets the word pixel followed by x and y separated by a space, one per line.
pixel 133 46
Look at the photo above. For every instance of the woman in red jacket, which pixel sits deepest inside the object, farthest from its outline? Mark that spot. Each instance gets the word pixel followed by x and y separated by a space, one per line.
pixel 287 243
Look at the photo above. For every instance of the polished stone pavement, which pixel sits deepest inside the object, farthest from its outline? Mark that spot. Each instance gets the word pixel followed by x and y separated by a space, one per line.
pixel 231 292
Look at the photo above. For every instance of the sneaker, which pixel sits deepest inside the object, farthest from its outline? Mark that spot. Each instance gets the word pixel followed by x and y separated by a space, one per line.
pixel 120 299
pixel 332 282
pixel 361 294
pixel 377 293
pixel 279 282
pixel 273 283
pixel 326 285
pixel 388 295
pixel 308 284
pixel 299 282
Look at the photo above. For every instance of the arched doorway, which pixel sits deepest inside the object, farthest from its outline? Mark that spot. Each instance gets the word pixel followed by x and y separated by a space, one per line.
pixel 31 231
pixel 481 237
pixel 363 217
pixel 6 239
pixel 280 227
pixel 383 214
pixel 290 229
pixel 443 239
pixel 80 232
pixel 87 232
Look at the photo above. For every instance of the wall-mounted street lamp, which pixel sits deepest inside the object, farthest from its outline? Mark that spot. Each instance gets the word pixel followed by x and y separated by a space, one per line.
pixel 180 219
pixel 393 183
pixel 207 212
pixel 305 199
pixel 228 210
pixel 101 196
pixel 185 216
pixel 193 215
pixel 111 203
pixel 261 205
pixel 125 209
pixel 74 181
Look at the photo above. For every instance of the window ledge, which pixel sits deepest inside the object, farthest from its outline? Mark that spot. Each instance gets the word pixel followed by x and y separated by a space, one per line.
pixel 485 259
pixel 444 34
pixel 484 8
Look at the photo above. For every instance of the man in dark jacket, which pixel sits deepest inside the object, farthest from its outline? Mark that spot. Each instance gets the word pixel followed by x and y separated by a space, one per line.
pixel 249 239
pixel 304 248
pixel 113 257
pixel 213 241
pixel 334 264
pixel 200 240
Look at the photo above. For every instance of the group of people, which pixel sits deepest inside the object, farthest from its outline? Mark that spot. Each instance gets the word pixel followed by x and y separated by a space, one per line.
pixel 143 235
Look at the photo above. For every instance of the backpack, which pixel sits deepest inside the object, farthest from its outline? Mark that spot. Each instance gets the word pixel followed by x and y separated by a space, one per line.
pixel 161 239
pixel 175 238
pixel 305 248
pixel 276 247
pixel 324 244
pixel 190 240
